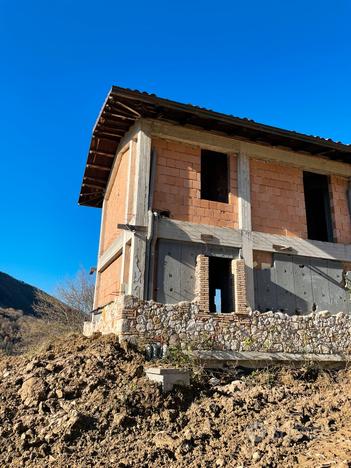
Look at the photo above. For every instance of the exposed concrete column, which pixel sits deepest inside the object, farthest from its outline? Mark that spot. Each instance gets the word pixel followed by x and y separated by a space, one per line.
pixel 245 225
pixel 125 249
pixel 141 196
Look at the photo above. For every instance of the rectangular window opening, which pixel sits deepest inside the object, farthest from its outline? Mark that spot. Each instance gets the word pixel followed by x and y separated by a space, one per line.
pixel 220 285
pixel 214 176
pixel 318 210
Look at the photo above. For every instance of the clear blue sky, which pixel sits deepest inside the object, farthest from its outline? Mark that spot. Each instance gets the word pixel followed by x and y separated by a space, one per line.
pixel 282 63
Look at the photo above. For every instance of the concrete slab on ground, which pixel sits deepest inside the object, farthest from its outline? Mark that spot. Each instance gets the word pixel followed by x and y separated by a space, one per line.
pixel 255 359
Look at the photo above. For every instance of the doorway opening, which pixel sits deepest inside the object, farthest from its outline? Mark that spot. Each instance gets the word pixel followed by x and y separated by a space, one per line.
pixel 220 285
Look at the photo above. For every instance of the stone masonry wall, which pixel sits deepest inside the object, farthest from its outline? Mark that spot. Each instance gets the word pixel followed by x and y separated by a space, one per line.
pixel 183 324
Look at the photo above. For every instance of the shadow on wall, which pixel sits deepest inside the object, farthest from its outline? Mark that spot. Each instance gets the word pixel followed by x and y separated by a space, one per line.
pixel 176 263
pixel 299 285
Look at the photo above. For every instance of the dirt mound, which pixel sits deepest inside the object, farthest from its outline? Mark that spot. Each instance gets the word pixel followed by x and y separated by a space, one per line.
pixel 86 402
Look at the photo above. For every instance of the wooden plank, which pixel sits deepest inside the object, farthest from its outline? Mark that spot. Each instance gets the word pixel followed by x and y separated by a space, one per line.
pixel 113 251
pixel 216 142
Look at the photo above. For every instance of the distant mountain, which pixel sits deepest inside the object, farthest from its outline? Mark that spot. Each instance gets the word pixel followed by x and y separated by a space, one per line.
pixel 21 326
pixel 17 294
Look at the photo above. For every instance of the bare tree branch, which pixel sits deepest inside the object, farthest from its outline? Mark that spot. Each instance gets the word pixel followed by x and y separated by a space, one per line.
pixel 74 299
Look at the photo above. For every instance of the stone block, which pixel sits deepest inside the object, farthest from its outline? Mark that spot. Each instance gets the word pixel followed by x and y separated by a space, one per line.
pixel 168 377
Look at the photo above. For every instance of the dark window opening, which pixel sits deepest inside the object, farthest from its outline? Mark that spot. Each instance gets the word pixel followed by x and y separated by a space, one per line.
pixel 220 285
pixel 214 176
pixel 318 212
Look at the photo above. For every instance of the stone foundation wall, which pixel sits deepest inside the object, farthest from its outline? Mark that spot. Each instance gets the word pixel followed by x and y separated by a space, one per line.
pixel 184 324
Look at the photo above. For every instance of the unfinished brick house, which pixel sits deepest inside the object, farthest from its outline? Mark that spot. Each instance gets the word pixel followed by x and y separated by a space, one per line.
pixel 217 211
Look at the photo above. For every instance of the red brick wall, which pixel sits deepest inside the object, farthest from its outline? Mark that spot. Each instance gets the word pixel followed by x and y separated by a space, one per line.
pixel 110 283
pixel 177 186
pixel 260 257
pixel 340 209
pixel 115 206
pixel 277 199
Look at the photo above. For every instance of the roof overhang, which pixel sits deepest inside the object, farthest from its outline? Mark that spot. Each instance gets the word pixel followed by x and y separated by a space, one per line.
pixel 123 107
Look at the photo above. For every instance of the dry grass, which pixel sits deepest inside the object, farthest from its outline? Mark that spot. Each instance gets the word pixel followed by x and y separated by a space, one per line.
pixel 20 333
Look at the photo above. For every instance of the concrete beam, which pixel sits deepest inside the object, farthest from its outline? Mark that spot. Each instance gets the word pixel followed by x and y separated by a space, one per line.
pixel 226 144
pixel 185 231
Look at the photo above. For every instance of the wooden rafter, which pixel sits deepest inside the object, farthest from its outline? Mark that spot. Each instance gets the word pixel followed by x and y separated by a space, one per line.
pixel 129 108
pixel 93 186
pixel 101 168
pixel 101 153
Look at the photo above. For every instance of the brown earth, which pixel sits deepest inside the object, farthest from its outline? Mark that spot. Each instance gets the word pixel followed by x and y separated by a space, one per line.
pixel 85 402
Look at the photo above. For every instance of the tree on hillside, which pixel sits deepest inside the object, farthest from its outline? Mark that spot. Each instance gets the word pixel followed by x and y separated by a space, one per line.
pixel 74 299
pixel 78 293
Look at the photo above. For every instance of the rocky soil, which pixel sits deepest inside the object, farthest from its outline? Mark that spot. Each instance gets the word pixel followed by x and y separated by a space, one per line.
pixel 86 402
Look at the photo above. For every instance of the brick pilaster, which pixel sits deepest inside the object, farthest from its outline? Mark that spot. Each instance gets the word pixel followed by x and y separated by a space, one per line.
pixel 239 280
pixel 202 283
